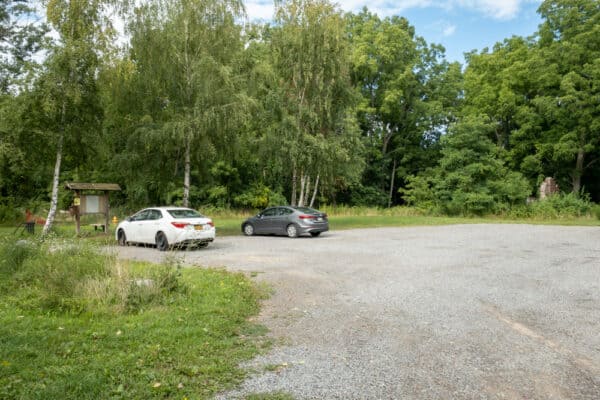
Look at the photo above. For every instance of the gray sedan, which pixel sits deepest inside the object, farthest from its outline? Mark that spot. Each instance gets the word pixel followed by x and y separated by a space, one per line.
pixel 287 220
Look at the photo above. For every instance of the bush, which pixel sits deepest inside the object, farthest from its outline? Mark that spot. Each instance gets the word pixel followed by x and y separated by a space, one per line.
pixel 259 197
pixel 596 210
pixel 562 205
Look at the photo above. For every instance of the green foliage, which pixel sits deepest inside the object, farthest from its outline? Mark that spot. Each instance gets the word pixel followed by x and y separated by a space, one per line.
pixel 258 197
pixel 237 111
pixel 596 210
pixel 558 206
pixel 470 179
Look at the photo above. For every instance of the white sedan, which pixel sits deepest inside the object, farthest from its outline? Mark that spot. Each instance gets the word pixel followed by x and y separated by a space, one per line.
pixel 166 227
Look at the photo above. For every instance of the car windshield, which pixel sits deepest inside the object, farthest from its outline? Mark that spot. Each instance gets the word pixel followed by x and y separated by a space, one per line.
pixel 306 210
pixel 185 213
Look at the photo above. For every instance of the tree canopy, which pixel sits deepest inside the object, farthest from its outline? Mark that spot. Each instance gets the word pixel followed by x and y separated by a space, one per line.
pixel 196 106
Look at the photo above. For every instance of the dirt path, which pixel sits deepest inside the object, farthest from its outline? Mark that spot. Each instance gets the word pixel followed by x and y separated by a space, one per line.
pixel 454 312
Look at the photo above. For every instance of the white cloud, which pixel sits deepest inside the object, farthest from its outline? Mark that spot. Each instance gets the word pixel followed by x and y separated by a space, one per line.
pixel 449 30
pixel 504 9
pixel 497 9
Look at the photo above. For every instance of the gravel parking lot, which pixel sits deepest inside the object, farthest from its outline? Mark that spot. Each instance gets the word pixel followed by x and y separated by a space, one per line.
pixel 451 312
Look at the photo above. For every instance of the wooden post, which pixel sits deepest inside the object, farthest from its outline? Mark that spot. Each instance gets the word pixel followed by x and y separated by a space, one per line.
pixel 76 205
pixel 107 212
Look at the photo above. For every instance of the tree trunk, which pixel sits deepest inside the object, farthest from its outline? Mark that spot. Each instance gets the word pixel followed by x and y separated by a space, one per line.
pixel 302 184
pixel 307 190
pixel 294 179
pixel 578 171
pixel 56 178
pixel 312 200
pixel 392 184
pixel 186 173
pixel 55 182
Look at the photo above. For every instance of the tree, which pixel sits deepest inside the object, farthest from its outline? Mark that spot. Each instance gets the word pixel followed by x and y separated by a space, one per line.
pixel 469 178
pixel 310 58
pixel 21 36
pixel 409 93
pixel 569 42
pixel 201 102
pixel 68 83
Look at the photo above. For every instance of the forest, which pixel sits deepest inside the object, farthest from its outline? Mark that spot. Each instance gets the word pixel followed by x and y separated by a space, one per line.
pixel 194 105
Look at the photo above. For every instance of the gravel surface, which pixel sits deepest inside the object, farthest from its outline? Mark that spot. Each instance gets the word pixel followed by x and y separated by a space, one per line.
pixel 451 312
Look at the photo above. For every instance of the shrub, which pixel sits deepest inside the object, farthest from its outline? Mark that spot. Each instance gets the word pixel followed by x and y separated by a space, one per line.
pixel 562 205
pixel 258 197
pixel 596 210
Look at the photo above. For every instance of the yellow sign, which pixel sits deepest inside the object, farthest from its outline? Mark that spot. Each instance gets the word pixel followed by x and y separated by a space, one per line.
pixel 76 201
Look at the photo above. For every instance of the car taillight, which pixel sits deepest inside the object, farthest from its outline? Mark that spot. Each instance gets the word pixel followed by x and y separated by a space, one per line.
pixel 211 223
pixel 179 225
pixel 304 216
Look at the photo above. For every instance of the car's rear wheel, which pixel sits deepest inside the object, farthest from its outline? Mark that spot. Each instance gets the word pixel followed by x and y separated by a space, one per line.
pixel 292 231
pixel 248 229
pixel 162 244
pixel 315 234
pixel 202 245
pixel 121 238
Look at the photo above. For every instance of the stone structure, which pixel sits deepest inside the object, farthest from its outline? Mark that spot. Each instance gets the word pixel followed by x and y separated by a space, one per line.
pixel 548 188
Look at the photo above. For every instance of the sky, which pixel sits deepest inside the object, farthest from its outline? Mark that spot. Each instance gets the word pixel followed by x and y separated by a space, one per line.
pixel 459 25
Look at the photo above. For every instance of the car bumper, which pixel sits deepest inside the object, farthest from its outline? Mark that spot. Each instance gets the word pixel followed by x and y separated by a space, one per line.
pixel 192 236
pixel 311 228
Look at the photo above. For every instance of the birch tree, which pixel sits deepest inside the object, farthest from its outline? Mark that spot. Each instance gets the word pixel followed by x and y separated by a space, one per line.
pixel 198 83
pixel 84 32
pixel 311 57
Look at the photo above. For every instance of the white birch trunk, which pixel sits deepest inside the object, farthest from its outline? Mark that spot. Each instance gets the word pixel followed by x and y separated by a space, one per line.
pixel 55 183
pixel 312 200
pixel 56 178
pixel 302 184
pixel 307 190
pixel 294 179
pixel 186 173
pixel 392 185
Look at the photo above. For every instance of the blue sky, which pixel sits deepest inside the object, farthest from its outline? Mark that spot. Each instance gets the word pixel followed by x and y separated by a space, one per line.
pixel 459 25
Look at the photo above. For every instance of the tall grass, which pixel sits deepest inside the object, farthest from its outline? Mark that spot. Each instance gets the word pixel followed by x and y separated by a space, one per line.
pixel 65 276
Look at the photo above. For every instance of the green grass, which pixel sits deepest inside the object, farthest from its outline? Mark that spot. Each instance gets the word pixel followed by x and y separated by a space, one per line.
pixel 228 222
pixel 355 222
pixel 186 342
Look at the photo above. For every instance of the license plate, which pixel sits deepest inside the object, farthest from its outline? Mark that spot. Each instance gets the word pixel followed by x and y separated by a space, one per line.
pixel 319 219
pixel 199 227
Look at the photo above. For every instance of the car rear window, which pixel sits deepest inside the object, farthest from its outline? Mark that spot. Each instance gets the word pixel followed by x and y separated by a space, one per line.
pixel 307 210
pixel 185 213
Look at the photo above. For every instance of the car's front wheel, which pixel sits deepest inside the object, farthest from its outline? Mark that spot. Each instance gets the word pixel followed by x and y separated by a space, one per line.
pixel 292 231
pixel 248 229
pixel 162 244
pixel 122 238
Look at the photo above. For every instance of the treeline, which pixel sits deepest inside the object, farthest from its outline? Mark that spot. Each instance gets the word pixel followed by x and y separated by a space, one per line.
pixel 198 107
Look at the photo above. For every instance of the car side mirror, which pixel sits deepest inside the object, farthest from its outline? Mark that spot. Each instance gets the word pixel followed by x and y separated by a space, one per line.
pixel 259 216
pixel 128 219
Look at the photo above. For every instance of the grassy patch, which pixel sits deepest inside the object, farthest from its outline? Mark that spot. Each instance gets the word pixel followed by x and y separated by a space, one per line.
pixel 228 222
pixel 379 221
pixel 98 328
